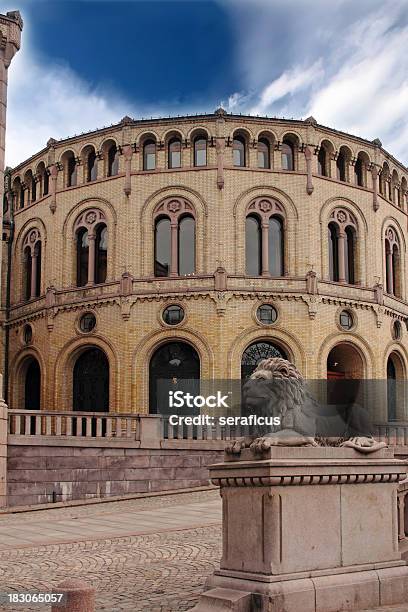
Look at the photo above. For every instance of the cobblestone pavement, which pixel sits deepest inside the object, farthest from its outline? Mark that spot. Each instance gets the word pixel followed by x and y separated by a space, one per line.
pixel 163 571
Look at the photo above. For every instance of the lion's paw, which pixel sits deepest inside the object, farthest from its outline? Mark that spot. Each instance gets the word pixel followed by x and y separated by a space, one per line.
pixel 234 447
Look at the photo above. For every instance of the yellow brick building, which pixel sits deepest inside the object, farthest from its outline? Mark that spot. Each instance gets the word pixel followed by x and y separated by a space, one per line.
pixel 214 216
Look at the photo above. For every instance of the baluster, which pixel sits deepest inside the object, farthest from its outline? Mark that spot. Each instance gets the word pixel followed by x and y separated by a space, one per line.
pixel 99 427
pixel 128 427
pixel 199 431
pixel 218 430
pixel 88 426
pixel 108 427
pixel 38 425
pixel 58 425
pixel 170 432
pixel 68 425
pixel 189 432
pixel 27 428
pixel 48 425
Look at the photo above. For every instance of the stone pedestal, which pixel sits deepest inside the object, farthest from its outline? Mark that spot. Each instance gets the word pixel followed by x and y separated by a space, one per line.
pixel 310 529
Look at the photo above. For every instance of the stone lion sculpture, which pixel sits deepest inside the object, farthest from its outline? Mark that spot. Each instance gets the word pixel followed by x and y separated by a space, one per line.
pixel 276 388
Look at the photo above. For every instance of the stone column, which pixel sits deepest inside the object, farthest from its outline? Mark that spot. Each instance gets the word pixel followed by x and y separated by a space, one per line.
pixel 34 271
pixel 265 245
pixel 11 26
pixel 174 249
pixel 309 183
pixel 342 267
pixel 91 259
pixel 390 274
pixel 128 152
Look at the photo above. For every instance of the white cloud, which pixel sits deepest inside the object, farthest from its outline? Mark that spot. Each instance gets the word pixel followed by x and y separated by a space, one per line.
pixel 49 100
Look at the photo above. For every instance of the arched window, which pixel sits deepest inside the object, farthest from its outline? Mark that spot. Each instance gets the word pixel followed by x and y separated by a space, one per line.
pixel 275 244
pixel 27 273
pixel 186 246
pixel 32 386
pixel 349 255
pixel 113 160
pixel 91 166
pixel 358 172
pixel 264 158
pixel 392 263
pixel 394 186
pixel 70 169
pixel 253 245
pixel 174 238
pixel 174 366
pixel 82 257
pixel 91 381
pixel 391 390
pixel 322 161
pixel 264 238
pixel 101 254
pixel 175 153
pixel 333 253
pixel 341 166
pixel 33 189
pixel 18 194
pixel 162 247
pixel 238 151
pixel 32 265
pixel 256 352
pixel 288 155
pixel 149 155
pixel 200 151
pixel 45 183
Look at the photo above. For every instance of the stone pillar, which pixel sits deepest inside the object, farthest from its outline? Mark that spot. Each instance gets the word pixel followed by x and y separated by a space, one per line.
pixel 342 267
pixel 11 26
pixel 390 274
pixel 91 259
pixel 128 152
pixel 34 271
pixel 265 248
pixel 309 183
pixel 174 249
pixel 79 596
pixel 310 529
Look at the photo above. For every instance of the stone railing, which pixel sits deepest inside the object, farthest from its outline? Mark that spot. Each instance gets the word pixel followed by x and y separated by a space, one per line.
pixel 393 434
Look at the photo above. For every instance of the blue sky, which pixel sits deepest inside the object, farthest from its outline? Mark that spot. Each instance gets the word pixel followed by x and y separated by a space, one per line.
pixel 86 63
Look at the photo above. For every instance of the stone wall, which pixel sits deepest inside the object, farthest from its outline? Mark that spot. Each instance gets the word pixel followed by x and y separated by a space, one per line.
pixel 40 474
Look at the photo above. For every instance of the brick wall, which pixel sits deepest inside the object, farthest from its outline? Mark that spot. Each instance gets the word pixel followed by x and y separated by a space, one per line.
pixel 42 474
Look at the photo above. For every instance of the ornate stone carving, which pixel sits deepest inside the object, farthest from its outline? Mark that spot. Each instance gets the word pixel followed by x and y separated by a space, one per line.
pixel 174 207
pixel 265 207
pixel 343 218
pixel 89 219
pixel 33 236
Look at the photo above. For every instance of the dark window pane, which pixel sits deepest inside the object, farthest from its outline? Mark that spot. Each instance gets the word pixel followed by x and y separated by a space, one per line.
pixel 38 268
pixel 346 320
pixel 71 172
pixel 27 274
pixel 101 254
pixel 263 154
pixel 333 253
pixel 173 314
pixel 92 167
pixel 322 161
pixel 238 147
pixel 341 167
pixel 87 322
pixel 267 314
pixel 149 155
pixel 82 257
pixel 175 153
pixel 275 247
pixel 200 152
pixel 287 156
pixel 46 183
pixel 255 353
pixel 91 382
pixel 186 245
pixel 162 248
pixel 113 161
pixel 253 246
pixel 349 256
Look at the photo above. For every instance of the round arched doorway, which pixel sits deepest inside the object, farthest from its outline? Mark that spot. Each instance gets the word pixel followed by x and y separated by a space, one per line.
pixel 395 389
pixel 174 366
pixel 32 385
pixel 91 381
pixel 344 365
pixel 256 352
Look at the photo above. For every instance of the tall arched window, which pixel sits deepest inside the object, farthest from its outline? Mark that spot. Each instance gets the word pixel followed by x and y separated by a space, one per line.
pixel 288 155
pixel 174 366
pixel 149 155
pixel 101 254
pixel 264 157
pixel 275 249
pixel 70 169
pixel 342 231
pixel 391 390
pixel 82 257
pixel 200 151
pixel 238 151
pixel 392 263
pixel 186 246
pixel 32 265
pixel 264 238
pixel 253 245
pixel 113 160
pixel 333 253
pixel 33 188
pixel 92 247
pixel 174 238
pixel 341 166
pixel 162 247
pixel 175 153
pixel 91 166
pixel 358 172
pixel 18 194
pixel 32 386
pixel 322 161
pixel 91 381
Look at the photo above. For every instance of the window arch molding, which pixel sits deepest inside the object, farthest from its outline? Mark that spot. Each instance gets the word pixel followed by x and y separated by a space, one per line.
pixel 89 223
pixel 393 262
pixel 110 155
pixel 173 136
pixel 175 209
pixel 240 154
pixel 290 144
pixel 90 161
pixel 346 228
pixel 18 369
pixel 143 142
pixel 264 209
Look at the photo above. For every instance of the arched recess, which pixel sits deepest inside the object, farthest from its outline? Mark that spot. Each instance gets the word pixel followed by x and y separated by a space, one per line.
pixel 358 344
pixel 288 344
pixel 63 374
pixel 289 215
pixel 345 372
pixel 90 384
pixel 68 271
pixel 395 382
pixel 256 352
pixel 17 280
pixel 268 246
pixel 19 368
pixel 390 223
pixel 330 209
pixel 174 366
pixel 145 349
pixel 144 234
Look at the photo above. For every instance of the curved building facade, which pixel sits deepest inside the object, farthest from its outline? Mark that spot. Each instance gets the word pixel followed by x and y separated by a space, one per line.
pixel 192 247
